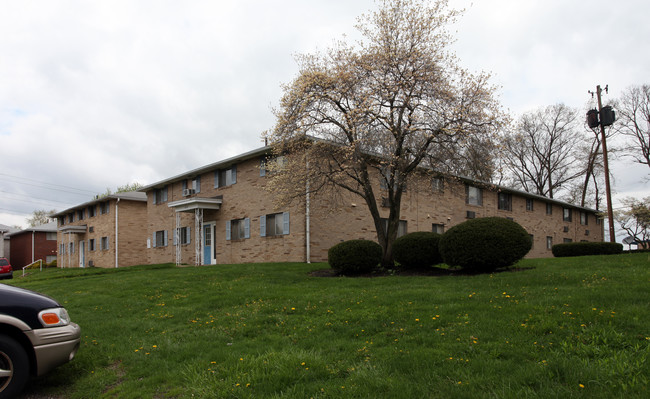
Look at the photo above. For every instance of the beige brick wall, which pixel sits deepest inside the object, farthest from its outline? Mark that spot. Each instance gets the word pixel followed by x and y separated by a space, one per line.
pixel 246 198
pixel 422 207
pixel 132 222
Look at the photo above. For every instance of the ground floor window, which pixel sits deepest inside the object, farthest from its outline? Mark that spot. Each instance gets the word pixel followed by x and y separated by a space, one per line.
pixel 103 243
pixel 401 229
pixel 91 244
pixel 438 228
pixel 549 242
pixel 183 236
pixel 275 224
pixel 160 238
pixel 238 229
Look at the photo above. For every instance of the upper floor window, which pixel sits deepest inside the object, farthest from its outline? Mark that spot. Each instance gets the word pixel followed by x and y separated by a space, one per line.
pixel 192 186
pixel 529 204
pixel 160 195
pixel 584 218
pixel 225 177
pixel 104 207
pixel 81 214
pixel 103 243
pixel 270 164
pixel 505 202
pixel 92 211
pixel 549 209
pixel 61 220
pixel 438 185
pixel 474 195
pixel 50 236
pixel 566 214
pixel 70 217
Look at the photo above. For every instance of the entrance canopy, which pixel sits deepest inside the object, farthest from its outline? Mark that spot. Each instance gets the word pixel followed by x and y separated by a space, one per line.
pixel 192 204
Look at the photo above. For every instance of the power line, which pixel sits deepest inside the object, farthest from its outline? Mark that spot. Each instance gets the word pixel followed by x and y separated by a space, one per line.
pixel 32 197
pixel 61 187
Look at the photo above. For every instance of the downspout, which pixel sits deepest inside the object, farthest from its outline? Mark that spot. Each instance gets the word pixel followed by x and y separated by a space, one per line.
pixel 307 220
pixel 33 245
pixel 116 230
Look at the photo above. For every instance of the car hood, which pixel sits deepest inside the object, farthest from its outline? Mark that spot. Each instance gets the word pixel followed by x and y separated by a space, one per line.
pixel 24 304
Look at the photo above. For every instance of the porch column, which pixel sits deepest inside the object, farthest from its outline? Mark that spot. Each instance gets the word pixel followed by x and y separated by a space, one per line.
pixel 198 235
pixel 177 238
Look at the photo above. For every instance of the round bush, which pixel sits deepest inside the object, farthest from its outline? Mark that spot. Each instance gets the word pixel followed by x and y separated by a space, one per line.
pixel 354 256
pixel 417 250
pixel 484 244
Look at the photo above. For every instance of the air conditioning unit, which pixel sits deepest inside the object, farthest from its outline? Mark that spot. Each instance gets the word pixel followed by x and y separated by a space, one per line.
pixel 91 263
pixel 188 191
pixel 471 214
pixel 566 229
pixel 91 229
pixel 586 232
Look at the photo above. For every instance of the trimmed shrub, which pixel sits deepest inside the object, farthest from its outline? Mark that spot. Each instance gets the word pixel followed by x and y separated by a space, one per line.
pixel 354 256
pixel 417 250
pixel 586 248
pixel 484 244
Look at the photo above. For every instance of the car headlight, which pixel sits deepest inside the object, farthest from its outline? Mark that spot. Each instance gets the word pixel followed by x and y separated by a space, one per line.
pixel 55 317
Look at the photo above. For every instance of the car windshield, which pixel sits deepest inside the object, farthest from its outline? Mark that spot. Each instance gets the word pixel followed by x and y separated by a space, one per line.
pixel 3 262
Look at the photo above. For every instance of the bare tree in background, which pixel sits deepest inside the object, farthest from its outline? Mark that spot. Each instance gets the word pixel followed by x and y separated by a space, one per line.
pixel 635 219
pixel 39 217
pixel 379 108
pixel 541 152
pixel 633 111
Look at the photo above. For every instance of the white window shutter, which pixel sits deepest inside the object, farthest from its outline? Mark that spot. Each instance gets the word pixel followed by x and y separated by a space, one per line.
pixel 189 236
pixel 228 230
pixel 285 217
pixel 263 226
pixel 247 228
pixel 164 238
pixel 176 231
pixel 155 233
pixel 216 179
pixel 262 167
pixel 234 174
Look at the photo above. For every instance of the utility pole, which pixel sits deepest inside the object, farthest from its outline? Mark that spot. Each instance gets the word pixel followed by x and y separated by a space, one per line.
pixel 606 121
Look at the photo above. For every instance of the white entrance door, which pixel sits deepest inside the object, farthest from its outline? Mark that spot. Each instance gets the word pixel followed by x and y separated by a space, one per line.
pixel 208 244
pixel 82 254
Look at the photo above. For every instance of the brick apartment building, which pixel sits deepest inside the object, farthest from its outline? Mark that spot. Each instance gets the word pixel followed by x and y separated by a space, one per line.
pixel 106 232
pixel 32 244
pixel 221 213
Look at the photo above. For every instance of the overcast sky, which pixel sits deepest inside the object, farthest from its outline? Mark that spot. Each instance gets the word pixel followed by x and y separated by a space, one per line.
pixel 97 94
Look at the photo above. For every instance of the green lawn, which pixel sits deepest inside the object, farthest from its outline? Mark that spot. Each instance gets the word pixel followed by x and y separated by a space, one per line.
pixel 570 327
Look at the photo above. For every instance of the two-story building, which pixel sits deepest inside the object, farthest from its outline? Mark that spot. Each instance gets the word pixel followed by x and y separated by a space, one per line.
pixel 105 232
pixel 223 213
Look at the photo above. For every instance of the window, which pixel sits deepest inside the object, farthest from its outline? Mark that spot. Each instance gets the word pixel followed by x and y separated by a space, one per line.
pixel 438 228
pixel 103 243
pixel 549 242
pixel 238 229
pixel 91 244
pixel 549 209
pixel 81 214
pixel 567 240
pixel 598 221
pixel 160 195
pixel 61 249
pixel 104 208
pixel 529 204
pixel 401 229
pixel 183 234
pixel 275 163
pixel 505 202
pixel 92 211
pixel 160 238
pixel 50 236
pixel 584 218
pixel 225 177
pixel 70 217
pixel 438 185
pixel 50 258
pixel 474 195
pixel 61 220
pixel 194 184
pixel 71 245
pixel 385 179
pixel 566 214
pixel 276 224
